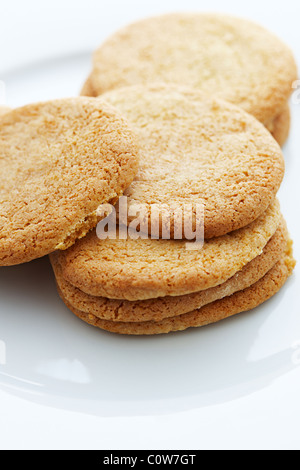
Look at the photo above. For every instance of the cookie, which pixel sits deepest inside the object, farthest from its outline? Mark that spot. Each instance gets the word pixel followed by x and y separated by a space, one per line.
pixel 140 269
pixel 224 56
pixel 239 302
pixel 58 161
pixel 158 309
pixel 197 152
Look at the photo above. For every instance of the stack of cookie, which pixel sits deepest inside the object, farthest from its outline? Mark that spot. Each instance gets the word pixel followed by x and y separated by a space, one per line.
pixel 194 151
pixel 156 195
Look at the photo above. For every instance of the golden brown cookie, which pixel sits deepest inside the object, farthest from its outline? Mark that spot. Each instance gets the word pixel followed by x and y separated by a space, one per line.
pixel 239 302
pixel 130 269
pixel 224 56
pixel 58 161
pixel 197 151
pixel 158 309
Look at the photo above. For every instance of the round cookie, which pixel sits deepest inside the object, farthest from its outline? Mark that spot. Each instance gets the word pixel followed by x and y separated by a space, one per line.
pixel 242 301
pixel 158 309
pixel 58 161
pixel 140 269
pixel 224 56
pixel 198 152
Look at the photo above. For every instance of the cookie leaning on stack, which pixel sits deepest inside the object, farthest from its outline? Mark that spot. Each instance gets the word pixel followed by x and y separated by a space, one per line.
pixel 223 56
pixel 59 160
pixel 191 149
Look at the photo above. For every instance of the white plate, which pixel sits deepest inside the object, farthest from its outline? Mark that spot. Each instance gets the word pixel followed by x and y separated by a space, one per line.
pixel 64 384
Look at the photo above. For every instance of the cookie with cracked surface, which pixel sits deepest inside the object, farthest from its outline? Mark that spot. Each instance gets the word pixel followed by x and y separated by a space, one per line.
pixel 240 302
pixel 222 55
pixel 197 152
pixel 58 161
pixel 140 269
pixel 158 309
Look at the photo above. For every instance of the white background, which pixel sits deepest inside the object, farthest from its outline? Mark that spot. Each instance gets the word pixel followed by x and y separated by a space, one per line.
pixel 33 35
